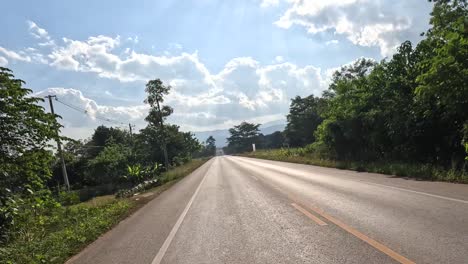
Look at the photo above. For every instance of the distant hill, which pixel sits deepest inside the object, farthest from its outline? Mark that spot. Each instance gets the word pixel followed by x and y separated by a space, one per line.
pixel 221 135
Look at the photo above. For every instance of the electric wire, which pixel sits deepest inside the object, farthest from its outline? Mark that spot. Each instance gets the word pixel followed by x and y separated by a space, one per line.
pixel 84 111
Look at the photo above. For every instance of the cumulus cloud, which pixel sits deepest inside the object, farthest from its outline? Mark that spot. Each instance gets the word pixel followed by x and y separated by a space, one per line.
pixel 14 55
pixel 244 89
pixel 80 124
pixel 40 33
pixel 3 61
pixel 368 23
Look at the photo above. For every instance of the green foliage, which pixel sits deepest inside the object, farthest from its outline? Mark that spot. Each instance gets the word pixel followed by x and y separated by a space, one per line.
pixel 273 140
pixel 137 173
pixel 410 108
pixel 208 149
pixel 51 234
pixel 181 171
pixel 109 165
pixel 308 155
pixel 166 177
pixel 25 131
pixel 242 137
pixel 68 197
pixel 210 146
pixel 180 145
pixel 303 118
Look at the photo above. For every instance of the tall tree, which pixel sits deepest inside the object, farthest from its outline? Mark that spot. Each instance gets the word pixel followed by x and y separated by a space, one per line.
pixel 443 82
pixel 181 145
pixel 210 146
pixel 303 119
pixel 243 136
pixel 272 141
pixel 156 91
pixel 26 131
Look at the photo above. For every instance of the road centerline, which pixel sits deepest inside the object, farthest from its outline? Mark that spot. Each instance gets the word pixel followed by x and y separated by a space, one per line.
pixel 375 244
pixel 309 215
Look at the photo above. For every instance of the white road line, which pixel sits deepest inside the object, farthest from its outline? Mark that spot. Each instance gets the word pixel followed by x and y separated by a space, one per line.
pixel 299 172
pixel 170 237
pixel 422 193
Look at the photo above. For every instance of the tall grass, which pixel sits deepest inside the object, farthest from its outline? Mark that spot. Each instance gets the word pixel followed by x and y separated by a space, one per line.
pixel 182 170
pixel 410 170
pixel 63 231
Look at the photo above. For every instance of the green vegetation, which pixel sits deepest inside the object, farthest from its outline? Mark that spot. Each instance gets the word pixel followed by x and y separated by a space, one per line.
pixel 418 171
pixel 181 171
pixel 39 222
pixel 242 137
pixel 52 233
pixel 394 116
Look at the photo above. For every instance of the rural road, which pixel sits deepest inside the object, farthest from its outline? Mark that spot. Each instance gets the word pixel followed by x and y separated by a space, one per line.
pixel 242 210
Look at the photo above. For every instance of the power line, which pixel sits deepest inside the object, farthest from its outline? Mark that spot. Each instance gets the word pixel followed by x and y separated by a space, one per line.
pixel 84 111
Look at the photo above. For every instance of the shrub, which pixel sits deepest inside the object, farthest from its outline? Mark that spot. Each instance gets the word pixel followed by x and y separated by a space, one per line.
pixel 52 236
pixel 68 198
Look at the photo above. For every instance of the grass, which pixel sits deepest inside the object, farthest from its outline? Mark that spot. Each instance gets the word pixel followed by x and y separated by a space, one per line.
pixel 60 232
pixel 181 171
pixel 417 171
pixel 63 231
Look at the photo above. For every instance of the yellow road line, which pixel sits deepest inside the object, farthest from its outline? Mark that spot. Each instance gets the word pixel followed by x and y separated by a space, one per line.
pixel 308 214
pixel 377 245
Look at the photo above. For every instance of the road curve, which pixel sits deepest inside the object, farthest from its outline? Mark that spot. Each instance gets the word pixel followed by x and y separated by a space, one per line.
pixel 242 210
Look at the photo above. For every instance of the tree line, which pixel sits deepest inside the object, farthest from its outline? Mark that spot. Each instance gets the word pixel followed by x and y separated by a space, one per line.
pixel 30 172
pixel 412 107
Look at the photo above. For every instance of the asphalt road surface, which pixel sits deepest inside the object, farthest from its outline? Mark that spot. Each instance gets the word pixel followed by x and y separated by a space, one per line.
pixel 241 210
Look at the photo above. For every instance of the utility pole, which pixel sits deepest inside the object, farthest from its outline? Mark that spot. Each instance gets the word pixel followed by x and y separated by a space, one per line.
pixel 132 147
pixel 59 147
pixel 130 127
pixel 166 159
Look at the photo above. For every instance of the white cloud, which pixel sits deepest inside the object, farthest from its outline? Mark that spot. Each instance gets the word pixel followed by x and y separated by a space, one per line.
pixel 14 55
pixel 3 61
pixel 243 89
pixel 36 31
pixel 135 39
pixel 40 33
pixel 363 22
pixel 81 124
pixel 332 42
pixel 279 59
pixel 268 3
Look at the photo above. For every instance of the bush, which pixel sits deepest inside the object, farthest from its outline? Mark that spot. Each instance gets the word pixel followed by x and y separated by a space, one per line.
pixel 68 198
pixel 53 235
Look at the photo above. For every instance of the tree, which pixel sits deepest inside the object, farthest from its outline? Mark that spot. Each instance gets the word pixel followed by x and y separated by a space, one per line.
pixel 303 119
pixel 109 165
pixel 272 141
pixel 344 130
pixel 26 131
pixel 156 91
pixel 180 145
pixel 443 79
pixel 242 137
pixel 210 146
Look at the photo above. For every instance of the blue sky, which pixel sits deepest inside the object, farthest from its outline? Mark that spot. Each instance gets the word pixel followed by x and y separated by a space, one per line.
pixel 227 61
